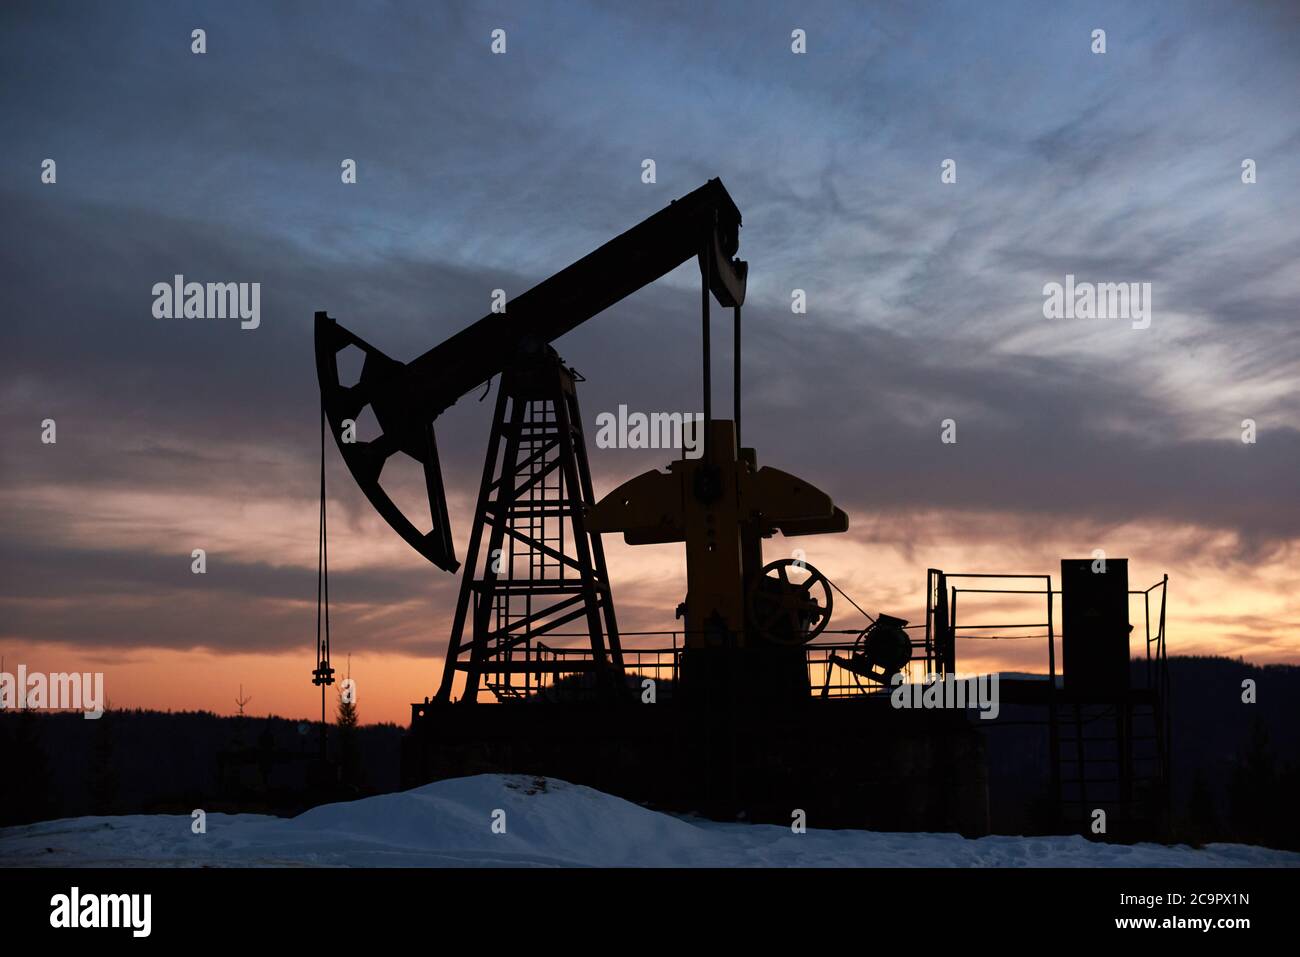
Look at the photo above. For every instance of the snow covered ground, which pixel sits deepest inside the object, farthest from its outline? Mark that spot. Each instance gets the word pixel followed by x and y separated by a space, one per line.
pixel 549 823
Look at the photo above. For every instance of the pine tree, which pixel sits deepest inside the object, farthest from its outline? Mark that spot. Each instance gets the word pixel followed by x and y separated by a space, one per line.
pixel 103 770
pixel 349 754
pixel 26 792
pixel 1203 815
pixel 241 701
pixel 1254 787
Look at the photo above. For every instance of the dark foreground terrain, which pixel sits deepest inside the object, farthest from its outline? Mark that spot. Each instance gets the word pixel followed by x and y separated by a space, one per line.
pixel 1236 767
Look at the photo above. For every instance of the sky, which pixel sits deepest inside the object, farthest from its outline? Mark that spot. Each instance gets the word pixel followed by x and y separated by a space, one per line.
pixel 478 171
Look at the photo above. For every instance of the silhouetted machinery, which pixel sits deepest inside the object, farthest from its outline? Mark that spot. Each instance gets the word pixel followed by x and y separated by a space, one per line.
pixel 737 729
pixel 880 652
pixel 1094 611
pixel 744 621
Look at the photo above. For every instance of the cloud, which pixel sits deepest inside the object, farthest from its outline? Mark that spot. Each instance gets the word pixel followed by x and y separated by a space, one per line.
pixel 481 172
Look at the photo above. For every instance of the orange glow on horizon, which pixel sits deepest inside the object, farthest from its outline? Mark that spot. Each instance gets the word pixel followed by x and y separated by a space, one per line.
pixel 1212 611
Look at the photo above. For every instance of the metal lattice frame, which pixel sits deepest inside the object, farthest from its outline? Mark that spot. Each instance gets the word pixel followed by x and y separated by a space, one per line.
pixel 540 569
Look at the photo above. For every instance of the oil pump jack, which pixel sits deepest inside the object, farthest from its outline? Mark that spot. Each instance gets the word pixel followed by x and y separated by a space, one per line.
pixel 744 623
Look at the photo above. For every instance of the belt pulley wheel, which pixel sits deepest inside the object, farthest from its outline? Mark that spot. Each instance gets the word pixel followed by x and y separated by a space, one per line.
pixel 790 602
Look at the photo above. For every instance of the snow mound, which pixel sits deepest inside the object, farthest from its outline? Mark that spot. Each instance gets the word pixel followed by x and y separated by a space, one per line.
pixel 545 822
